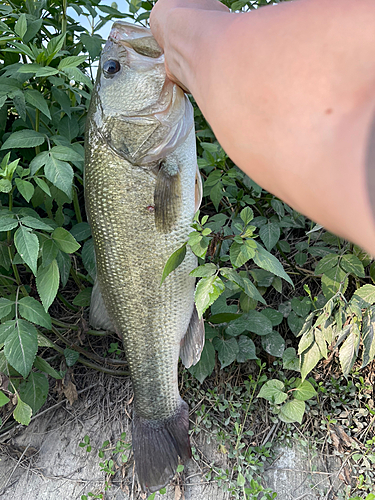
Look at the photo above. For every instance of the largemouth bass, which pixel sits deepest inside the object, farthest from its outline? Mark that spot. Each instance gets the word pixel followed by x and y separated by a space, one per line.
pixel 142 189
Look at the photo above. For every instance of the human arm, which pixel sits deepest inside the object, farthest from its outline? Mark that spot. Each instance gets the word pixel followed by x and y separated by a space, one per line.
pixel 290 94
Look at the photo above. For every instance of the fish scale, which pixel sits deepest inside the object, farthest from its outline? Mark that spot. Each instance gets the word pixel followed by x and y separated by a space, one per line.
pixel 140 191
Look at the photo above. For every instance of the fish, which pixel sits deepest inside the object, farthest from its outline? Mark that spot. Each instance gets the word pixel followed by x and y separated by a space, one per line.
pixel 142 189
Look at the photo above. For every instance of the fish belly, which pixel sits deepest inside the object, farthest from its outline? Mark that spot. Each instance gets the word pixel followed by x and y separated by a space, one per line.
pixel 130 257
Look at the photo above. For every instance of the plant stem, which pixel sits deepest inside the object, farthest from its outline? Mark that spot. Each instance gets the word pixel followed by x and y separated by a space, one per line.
pixel 64 20
pixel 77 208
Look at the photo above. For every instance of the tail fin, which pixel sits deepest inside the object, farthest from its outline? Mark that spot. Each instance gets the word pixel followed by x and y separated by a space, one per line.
pixel 157 446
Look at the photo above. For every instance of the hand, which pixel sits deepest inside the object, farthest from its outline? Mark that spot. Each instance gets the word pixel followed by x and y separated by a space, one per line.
pixel 160 26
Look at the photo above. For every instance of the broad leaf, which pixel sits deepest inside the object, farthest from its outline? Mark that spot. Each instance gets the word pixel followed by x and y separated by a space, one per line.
pixel 6 329
pixel 267 261
pixel 309 359
pixel 367 295
pixel 22 412
pixel 83 299
pixel 273 344
pixel 206 292
pixel 6 306
pixel 26 138
pixel 204 271
pixel 27 245
pixel 7 222
pixel 33 311
pixel 34 391
pixel 21 347
pixel 351 264
pixel 227 350
pixel 81 231
pixel 173 262
pixel 304 391
pixel 36 99
pixel 246 349
pixel 206 364
pixel 47 283
pixel 3 399
pixel 368 337
pixel 60 173
pixel 241 253
pixel 270 234
pixel 43 365
pixel 292 411
pixel 65 241
pixel 349 350
pixel 327 263
pixel 274 391
pixel 25 188
pixel 71 357
pixel 290 359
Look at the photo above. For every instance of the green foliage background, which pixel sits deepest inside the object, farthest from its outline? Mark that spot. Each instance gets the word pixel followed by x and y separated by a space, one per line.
pixel 272 284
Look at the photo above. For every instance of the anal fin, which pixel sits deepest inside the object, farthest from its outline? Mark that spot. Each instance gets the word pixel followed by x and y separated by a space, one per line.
pixel 99 317
pixel 193 342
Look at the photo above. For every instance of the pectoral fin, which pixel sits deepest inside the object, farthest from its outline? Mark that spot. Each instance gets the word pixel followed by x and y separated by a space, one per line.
pixel 99 317
pixel 167 196
pixel 193 342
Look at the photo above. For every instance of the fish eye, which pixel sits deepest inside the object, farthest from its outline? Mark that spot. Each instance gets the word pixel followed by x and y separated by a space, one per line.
pixel 111 67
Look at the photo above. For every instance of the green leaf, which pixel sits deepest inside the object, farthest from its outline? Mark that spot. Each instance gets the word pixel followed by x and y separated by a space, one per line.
pixel 8 222
pixel 64 240
pixel 25 188
pixel 301 307
pixel 309 359
pixel 227 350
pixel 304 391
pixel 206 364
pixel 206 292
pixel 253 321
pixel 88 257
pixel 270 234
pixel 27 245
pixel 49 252
pixel 54 46
pixel 267 261
pixel 81 231
pixel 334 280
pixel 22 412
pixel 3 399
pixel 368 337
pixel 43 185
pixel 21 347
pixel 35 223
pixel 83 299
pixel 25 138
pixel 367 295
pixel 306 340
pixel 33 311
pixel 71 62
pixel 34 391
pixel 64 263
pixel 174 261
pixel 351 264
pixel 241 253
pixel 219 318
pixel 290 359
pixel 274 316
pixel 71 356
pixel 21 26
pixel 321 341
pixel 66 154
pixel 349 350
pixel 92 43
pixel 273 344
pixel 327 263
pixel 273 391
pixel 36 99
pixel 5 186
pixel 60 173
pixel 244 283
pixel 42 365
pixel 247 215
pixel 47 283
pixel 204 271
pixel 246 349
pixel 6 329
pixel 6 306
pixel 292 411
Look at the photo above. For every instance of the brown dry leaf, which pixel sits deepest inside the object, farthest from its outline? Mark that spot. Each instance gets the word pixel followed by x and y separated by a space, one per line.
pixel 177 493
pixel 70 391
pixel 346 475
pixel 336 441
pixel 344 438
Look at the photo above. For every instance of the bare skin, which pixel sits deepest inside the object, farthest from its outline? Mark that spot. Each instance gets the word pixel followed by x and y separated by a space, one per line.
pixel 289 91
